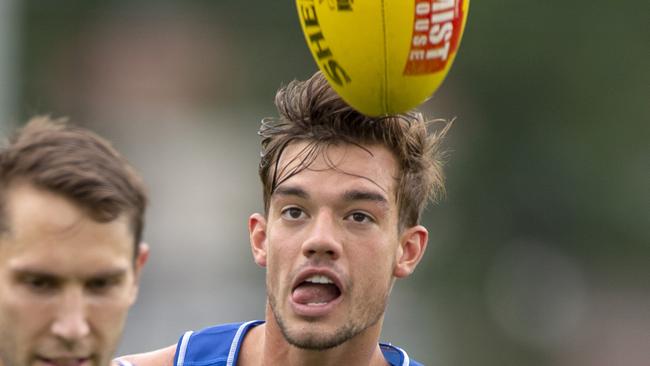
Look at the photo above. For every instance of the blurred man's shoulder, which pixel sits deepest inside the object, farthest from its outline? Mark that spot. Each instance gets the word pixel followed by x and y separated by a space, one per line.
pixel 160 357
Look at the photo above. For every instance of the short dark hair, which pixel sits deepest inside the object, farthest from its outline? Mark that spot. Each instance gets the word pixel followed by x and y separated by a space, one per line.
pixel 77 164
pixel 311 111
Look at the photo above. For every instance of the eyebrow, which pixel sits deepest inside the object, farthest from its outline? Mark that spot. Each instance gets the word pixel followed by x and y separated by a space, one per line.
pixel 356 195
pixel 21 274
pixel 31 272
pixel 112 273
pixel 291 191
pixel 351 195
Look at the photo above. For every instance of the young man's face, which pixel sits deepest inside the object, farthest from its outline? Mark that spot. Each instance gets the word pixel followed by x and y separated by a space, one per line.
pixel 66 281
pixel 331 245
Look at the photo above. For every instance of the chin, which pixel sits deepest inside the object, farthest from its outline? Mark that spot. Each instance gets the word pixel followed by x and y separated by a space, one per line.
pixel 313 337
pixel 317 341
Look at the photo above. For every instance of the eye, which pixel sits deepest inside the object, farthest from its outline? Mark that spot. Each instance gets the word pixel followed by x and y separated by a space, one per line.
pixel 293 213
pixel 360 217
pixel 40 284
pixel 101 284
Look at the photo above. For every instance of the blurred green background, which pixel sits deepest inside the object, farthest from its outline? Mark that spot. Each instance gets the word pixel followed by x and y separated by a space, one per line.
pixel 540 253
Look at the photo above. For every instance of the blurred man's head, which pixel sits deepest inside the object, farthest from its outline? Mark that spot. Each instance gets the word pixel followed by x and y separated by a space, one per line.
pixel 71 219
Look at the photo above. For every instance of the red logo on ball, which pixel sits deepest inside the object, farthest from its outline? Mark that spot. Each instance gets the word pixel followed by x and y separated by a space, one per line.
pixel 436 33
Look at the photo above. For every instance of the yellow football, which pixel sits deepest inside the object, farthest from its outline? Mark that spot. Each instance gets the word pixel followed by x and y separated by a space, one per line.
pixel 382 56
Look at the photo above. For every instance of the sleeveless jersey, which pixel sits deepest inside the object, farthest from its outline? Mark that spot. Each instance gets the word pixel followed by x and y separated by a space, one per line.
pixel 220 346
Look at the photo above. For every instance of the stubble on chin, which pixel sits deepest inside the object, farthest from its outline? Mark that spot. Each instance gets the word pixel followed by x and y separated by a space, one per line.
pixel 315 340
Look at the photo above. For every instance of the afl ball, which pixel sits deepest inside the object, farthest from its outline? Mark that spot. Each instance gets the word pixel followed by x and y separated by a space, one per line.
pixel 383 56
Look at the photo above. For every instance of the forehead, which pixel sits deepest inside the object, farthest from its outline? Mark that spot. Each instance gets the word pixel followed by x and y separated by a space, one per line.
pixel 46 231
pixel 369 165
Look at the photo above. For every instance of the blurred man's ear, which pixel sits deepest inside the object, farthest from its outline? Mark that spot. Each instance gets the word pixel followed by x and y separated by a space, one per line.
pixel 413 243
pixel 140 261
pixel 257 232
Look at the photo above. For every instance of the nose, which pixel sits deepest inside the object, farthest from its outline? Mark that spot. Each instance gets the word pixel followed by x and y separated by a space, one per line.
pixel 323 239
pixel 71 323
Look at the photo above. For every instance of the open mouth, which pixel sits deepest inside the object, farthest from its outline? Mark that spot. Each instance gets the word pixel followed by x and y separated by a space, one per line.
pixel 316 290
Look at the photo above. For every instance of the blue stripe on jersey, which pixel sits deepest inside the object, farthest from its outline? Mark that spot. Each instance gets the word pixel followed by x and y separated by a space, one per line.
pixel 212 346
pixel 220 346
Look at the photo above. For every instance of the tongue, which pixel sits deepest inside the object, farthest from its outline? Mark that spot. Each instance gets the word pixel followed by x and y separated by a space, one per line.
pixel 312 293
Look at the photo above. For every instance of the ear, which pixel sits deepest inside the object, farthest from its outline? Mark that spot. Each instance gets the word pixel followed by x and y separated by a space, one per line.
pixel 140 261
pixel 257 232
pixel 413 243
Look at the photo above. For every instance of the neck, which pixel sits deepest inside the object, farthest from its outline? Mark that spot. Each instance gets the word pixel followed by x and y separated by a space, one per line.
pixel 265 345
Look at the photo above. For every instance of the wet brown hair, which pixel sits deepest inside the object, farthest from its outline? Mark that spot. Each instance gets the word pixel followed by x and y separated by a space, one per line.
pixel 311 111
pixel 77 164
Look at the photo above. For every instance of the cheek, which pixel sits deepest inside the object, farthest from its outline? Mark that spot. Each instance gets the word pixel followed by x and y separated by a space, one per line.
pixel 108 317
pixel 275 265
pixel 372 250
pixel 373 262
pixel 108 313
pixel 283 251
pixel 23 322
pixel 21 307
